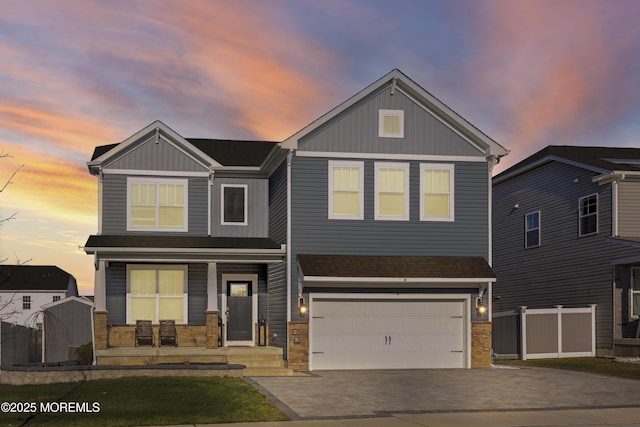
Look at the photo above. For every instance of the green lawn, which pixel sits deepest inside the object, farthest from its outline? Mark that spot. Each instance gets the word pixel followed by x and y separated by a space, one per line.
pixel 143 401
pixel 594 365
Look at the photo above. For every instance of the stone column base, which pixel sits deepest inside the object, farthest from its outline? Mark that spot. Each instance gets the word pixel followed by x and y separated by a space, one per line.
pixel 481 345
pixel 101 332
pixel 212 329
pixel 298 356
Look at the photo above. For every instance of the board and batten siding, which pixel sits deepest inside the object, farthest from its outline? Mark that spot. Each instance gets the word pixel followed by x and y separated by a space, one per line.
pixel 565 269
pixel 257 208
pixel 114 206
pixel 629 208
pixel 356 130
pixel 313 233
pixel 150 156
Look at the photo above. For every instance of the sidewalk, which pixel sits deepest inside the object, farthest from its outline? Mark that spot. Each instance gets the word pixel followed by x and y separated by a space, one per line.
pixel 565 417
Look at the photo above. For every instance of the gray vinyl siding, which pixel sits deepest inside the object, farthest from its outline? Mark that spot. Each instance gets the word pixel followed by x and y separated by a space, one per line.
pixel 565 269
pixel 162 156
pixel 356 130
pixel 277 273
pixel 114 206
pixel 629 208
pixel 257 208
pixel 197 294
pixel 277 280
pixel 116 293
pixel 278 204
pixel 313 233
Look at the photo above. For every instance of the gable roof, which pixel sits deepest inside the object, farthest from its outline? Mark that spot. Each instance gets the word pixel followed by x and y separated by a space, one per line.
pixel 34 278
pixel 430 103
pixel 212 153
pixel 602 160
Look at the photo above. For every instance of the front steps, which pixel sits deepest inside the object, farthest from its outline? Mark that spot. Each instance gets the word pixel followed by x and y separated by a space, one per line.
pixel 258 361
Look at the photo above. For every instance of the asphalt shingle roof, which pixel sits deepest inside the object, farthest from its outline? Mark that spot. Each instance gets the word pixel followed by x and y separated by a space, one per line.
pixel 181 242
pixel 453 267
pixel 33 278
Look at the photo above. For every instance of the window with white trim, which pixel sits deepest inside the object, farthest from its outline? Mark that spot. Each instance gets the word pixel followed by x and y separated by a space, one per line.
pixel 437 192
pixel 345 190
pixel 157 204
pixel 588 215
pixel 392 191
pixel 391 123
pixel 635 292
pixel 156 292
pixel 56 298
pixel 532 230
pixel 26 302
pixel 234 204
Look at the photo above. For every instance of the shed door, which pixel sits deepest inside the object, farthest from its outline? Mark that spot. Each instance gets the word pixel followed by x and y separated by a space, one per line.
pixel 387 334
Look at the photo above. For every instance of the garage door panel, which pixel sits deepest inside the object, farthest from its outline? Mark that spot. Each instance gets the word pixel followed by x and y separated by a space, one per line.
pixel 387 334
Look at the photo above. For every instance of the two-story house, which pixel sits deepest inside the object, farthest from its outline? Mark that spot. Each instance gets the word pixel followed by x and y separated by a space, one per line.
pixel 24 289
pixel 361 241
pixel 566 224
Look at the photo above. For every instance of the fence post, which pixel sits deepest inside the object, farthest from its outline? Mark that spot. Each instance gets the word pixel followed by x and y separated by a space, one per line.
pixel 523 331
pixel 559 308
pixel 593 330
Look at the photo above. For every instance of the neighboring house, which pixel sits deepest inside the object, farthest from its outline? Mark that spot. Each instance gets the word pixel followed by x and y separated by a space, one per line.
pixel 566 225
pixel 362 241
pixel 24 289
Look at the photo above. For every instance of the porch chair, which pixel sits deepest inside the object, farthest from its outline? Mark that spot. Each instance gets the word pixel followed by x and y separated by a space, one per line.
pixel 168 334
pixel 144 333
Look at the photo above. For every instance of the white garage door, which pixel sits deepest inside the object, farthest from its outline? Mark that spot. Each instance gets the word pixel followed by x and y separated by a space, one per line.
pixel 387 334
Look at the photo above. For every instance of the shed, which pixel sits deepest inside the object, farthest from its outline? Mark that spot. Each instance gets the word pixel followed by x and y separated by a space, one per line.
pixel 67 324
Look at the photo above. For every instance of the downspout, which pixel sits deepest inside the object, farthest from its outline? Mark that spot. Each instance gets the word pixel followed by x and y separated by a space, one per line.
pixel 209 195
pixel 289 157
pixel 100 178
pixel 492 160
pixel 93 334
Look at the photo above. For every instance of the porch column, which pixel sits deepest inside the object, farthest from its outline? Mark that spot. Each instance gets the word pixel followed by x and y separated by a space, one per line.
pixel 212 287
pixel 99 287
pixel 100 302
pixel 212 306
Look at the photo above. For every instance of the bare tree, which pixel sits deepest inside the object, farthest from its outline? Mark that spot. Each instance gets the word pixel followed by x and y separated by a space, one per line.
pixel 7 308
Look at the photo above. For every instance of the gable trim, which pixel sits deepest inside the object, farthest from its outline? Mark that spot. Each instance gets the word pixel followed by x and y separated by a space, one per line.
pixel 157 129
pixel 396 78
pixel 382 156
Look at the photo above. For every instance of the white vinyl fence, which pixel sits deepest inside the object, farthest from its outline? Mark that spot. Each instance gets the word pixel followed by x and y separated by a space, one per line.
pixel 545 333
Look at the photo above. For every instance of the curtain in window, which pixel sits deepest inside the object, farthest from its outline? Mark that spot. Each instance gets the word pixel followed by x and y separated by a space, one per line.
pixel 391 197
pixel 437 193
pixel 346 191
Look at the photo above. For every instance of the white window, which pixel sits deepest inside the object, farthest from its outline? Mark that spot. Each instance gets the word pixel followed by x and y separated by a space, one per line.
pixel 26 302
pixel 156 293
pixel 159 205
pixel 532 230
pixel 392 191
pixel 588 215
pixel 436 189
pixel 233 206
pixel 346 190
pixel 635 292
pixel 391 123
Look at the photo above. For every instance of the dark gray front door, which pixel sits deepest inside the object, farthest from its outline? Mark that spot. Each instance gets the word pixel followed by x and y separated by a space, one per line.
pixel 239 306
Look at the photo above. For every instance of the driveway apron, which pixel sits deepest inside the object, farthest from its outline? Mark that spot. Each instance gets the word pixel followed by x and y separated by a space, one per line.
pixel 340 394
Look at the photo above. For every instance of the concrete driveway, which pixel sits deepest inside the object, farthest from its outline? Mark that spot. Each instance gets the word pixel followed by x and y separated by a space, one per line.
pixel 345 394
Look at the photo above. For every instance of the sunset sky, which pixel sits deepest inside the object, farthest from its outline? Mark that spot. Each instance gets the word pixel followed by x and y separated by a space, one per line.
pixel 78 74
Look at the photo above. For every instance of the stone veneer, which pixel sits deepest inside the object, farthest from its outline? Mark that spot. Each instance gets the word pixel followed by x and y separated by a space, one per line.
pixel 481 344
pixel 125 335
pixel 298 356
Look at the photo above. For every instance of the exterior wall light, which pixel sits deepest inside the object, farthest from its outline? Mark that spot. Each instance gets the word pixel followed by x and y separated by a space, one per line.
pixel 481 308
pixel 302 307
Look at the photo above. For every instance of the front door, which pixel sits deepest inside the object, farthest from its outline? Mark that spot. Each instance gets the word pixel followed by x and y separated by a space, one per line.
pixel 239 311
